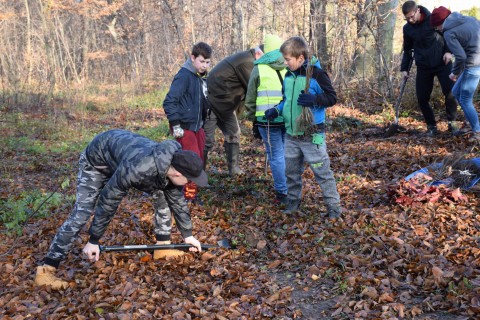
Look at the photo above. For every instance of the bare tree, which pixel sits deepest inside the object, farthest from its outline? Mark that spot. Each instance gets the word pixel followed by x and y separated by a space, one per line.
pixel 50 45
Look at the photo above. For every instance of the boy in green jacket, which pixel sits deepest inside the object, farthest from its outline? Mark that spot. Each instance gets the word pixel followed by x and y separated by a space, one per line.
pixel 306 144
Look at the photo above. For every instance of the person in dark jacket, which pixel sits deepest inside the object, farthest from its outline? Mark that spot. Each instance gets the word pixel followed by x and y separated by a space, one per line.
pixel 186 105
pixel 463 38
pixel 113 163
pixel 227 85
pixel 432 58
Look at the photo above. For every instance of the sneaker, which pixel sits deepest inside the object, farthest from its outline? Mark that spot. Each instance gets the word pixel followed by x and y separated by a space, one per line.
pixel 462 131
pixel 453 127
pixel 46 277
pixel 292 207
pixel 280 198
pixel 475 138
pixel 432 131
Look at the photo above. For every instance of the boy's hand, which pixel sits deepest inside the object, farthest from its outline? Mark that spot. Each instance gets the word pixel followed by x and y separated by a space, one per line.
pixel 453 77
pixel 271 113
pixel 177 131
pixel 195 243
pixel 92 251
pixel 307 99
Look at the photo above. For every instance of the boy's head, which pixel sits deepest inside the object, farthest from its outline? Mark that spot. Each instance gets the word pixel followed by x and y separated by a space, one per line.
pixel 190 166
pixel 295 52
pixel 201 54
pixel 411 12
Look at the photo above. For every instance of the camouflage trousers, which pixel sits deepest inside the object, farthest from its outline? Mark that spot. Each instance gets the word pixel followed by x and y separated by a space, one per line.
pixel 163 217
pixel 90 183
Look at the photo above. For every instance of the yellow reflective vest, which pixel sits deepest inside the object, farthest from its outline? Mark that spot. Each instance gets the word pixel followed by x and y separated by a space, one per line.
pixel 269 91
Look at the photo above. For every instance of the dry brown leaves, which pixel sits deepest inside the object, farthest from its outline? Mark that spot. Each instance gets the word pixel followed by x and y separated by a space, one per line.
pixel 415 256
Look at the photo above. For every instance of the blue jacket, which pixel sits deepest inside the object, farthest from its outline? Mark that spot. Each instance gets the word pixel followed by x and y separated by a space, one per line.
pixel 294 83
pixel 186 103
pixel 463 38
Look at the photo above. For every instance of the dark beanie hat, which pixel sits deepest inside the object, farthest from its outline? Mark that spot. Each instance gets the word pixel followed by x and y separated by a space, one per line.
pixel 189 164
pixel 439 15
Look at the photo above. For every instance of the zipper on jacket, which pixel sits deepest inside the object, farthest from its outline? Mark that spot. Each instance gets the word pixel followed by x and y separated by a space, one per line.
pixel 291 105
pixel 200 91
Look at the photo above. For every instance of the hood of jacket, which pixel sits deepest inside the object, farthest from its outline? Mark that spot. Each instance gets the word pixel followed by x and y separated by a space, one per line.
pixel 189 66
pixel 453 20
pixel 303 69
pixel 274 59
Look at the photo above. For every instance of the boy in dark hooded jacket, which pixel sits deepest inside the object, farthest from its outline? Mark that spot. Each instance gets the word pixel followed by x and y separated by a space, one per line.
pixel 112 164
pixel 186 105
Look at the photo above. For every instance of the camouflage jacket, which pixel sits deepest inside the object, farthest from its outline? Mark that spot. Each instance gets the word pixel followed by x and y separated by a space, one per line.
pixel 133 161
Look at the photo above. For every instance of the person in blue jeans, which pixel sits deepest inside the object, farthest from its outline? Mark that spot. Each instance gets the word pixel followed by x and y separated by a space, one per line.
pixel 306 85
pixel 462 35
pixel 264 91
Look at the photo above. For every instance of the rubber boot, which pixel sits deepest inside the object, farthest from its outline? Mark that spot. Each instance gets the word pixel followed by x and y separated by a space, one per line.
pixel 164 254
pixel 233 151
pixel 46 277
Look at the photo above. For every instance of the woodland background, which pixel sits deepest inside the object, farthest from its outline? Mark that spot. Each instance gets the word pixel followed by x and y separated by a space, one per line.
pixel 72 69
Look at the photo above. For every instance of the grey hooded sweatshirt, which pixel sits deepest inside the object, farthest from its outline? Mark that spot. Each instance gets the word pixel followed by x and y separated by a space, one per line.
pixel 462 34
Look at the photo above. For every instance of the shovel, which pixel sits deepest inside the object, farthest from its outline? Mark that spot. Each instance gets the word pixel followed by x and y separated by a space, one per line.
pixel 394 127
pixel 182 246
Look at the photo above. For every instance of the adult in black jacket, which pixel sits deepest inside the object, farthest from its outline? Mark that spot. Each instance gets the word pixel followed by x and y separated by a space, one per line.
pixel 432 58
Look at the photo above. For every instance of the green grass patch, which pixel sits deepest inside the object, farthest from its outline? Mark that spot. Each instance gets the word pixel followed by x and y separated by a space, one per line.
pixel 37 147
pixel 149 100
pixel 159 133
pixel 16 210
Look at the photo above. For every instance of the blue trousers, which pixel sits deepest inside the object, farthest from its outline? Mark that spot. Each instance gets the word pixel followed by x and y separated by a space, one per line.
pixel 274 140
pixel 463 90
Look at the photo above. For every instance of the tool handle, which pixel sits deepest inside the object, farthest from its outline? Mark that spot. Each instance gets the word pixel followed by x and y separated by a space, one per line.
pixel 182 246
pixel 402 89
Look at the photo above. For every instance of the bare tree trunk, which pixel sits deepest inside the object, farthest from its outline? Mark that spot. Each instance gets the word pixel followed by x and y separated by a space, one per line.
pixel 49 50
pixel 237 23
pixel 387 16
pixel 28 54
pixel 318 31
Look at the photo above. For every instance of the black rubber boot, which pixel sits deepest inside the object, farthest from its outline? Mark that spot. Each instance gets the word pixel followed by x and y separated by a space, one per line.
pixel 233 151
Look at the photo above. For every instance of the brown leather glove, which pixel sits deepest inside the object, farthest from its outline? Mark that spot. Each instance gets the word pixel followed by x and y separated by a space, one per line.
pixel 163 254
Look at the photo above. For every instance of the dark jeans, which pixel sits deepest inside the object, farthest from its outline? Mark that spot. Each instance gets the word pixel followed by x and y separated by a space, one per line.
pixel 424 88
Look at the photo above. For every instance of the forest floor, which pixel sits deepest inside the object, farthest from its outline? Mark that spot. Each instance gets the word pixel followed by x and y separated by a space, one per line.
pixel 402 250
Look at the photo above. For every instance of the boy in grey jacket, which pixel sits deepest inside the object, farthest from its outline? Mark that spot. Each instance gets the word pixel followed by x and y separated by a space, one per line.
pixel 462 34
pixel 112 164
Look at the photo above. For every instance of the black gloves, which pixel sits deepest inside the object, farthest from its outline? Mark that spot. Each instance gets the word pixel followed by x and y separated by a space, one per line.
pixel 271 113
pixel 307 99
